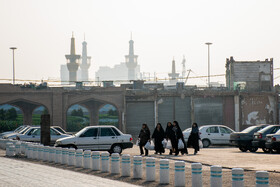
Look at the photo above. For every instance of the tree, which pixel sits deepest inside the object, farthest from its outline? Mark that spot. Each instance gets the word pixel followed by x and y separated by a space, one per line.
pixel 78 112
pixel 45 111
pixel 2 114
pixel 11 114
pixel 112 112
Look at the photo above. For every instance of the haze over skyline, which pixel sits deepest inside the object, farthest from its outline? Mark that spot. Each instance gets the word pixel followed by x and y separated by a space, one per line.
pixel 41 30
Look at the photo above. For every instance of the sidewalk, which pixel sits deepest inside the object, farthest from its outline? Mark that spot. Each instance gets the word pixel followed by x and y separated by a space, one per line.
pixel 19 173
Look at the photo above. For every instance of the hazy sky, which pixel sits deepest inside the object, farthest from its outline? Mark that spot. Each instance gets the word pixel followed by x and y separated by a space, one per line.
pixel 244 29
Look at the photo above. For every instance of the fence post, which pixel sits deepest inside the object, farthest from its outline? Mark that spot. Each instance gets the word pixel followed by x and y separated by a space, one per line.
pixel 216 176
pixel 126 165
pixel 137 167
pixel 150 169
pixel 197 174
pixel 237 177
pixel 179 176
pixel 115 163
pixel 18 147
pixel 87 159
pixel 71 157
pixel 164 171
pixel 79 158
pixel 58 155
pixel 95 160
pixel 64 156
pixel 46 153
pixel 105 162
pixel 262 179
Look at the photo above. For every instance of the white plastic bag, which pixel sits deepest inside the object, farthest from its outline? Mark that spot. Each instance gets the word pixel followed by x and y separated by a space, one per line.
pixel 168 145
pixel 200 144
pixel 137 142
pixel 164 142
pixel 180 144
pixel 150 145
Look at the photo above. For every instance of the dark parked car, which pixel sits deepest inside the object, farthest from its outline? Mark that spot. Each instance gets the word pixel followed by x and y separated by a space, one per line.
pixel 273 142
pixel 243 140
pixel 260 137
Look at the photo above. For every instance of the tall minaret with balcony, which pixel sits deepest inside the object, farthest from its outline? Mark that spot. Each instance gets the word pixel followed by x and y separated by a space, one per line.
pixel 85 62
pixel 131 61
pixel 173 76
pixel 72 62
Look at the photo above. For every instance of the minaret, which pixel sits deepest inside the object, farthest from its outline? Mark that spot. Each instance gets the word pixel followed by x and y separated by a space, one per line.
pixel 184 67
pixel 131 61
pixel 85 62
pixel 72 62
pixel 173 76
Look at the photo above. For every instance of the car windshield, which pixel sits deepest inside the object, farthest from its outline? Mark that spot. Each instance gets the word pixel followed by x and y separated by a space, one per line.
pixel 23 131
pixel 249 129
pixel 278 132
pixel 59 130
pixel 19 129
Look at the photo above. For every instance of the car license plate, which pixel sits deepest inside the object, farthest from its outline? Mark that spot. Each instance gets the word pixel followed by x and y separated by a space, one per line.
pixel 269 140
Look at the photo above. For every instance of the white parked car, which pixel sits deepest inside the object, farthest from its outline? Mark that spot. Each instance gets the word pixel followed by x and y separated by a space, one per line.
pixel 34 135
pixel 14 131
pixel 14 134
pixel 103 138
pixel 212 134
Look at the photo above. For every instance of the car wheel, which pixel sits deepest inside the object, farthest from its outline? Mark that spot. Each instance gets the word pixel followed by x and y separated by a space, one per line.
pixel 266 150
pixel 116 149
pixel 253 149
pixel 274 151
pixel 243 149
pixel 206 143
pixel 71 146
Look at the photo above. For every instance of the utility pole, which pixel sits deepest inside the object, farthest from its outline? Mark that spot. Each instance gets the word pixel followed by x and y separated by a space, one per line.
pixel 13 48
pixel 208 43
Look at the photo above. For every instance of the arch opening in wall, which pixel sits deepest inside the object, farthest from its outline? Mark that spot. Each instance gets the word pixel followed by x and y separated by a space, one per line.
pixel 77 118
pixel 36 114
pixel 108 115
pixel 11 117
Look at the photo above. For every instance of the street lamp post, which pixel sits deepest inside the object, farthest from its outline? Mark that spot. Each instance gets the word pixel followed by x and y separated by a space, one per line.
pixel 13 48
pixel 208 43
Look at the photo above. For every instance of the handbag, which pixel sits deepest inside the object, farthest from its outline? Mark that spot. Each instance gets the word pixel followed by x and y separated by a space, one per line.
pixel 164 142
pixel 137 142
pixel 168 145
pixel 200 144
pixel 180 144
pixel 150 145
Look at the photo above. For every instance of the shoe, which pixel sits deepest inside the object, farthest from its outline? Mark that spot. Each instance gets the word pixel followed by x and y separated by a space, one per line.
pixel 156 153
pixel 195 153
pixel 146 155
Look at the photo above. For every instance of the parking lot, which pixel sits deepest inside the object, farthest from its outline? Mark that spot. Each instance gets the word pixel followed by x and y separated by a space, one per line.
pixel 227 157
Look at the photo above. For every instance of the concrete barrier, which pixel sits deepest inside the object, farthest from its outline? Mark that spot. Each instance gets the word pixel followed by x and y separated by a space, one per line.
pixel 58 155
pixel 262 179
pixel 46 153
pixel 10 149
pixel 137 167
pixel 18 143
pixel 105 162
pixel 95 160
pixel 87 159
pixel 35 152
pixel 115 163
pixel 79 158
pixel 237 177
pixel 29 151
pixel 71 157
pixel 64 156
pixel 196 174
pixel 216 176
pixel 164 171
pixel 126 165
pixel 52 154
pixel 150 169
pixel 179 176
pixel 40 152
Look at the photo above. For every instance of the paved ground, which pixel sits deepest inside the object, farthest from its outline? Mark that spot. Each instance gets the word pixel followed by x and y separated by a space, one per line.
pixel 226 157
pixel 20 173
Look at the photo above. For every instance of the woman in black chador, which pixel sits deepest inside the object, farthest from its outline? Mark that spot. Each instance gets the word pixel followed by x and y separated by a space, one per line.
pixel 170 135
pixel 179 135
pixel 158 135
pixel 194 138
pixel 144 137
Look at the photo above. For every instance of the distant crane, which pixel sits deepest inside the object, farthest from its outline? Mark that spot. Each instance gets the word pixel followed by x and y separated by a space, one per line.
pixel 189 71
